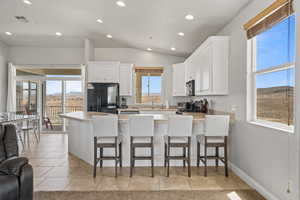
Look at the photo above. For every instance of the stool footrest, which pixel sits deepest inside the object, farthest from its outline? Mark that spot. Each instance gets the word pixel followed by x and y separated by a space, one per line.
pixel 142 157
pixel 177 158
pixel 141 145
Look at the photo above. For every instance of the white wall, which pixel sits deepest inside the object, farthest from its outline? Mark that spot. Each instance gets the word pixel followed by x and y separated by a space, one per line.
pixel 3 75
pixel 143 59
pixel 46 56
pixel 257 153
pixel 297 120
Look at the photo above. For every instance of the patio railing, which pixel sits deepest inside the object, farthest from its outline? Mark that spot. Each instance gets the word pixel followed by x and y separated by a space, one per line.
pixel 52 112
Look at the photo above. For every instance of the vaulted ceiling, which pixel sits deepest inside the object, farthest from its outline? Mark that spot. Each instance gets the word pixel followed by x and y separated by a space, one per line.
pixel 141 24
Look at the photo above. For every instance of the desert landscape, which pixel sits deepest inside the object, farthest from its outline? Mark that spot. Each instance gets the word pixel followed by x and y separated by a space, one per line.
pixel 276 104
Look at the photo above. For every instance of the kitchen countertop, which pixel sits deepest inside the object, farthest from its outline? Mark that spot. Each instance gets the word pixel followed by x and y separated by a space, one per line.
pixel 87 116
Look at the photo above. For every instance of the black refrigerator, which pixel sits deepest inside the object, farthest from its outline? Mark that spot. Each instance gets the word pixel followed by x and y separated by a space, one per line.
pixel 103 97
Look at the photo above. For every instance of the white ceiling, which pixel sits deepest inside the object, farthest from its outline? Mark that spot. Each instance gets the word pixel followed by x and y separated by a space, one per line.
pixel 131 26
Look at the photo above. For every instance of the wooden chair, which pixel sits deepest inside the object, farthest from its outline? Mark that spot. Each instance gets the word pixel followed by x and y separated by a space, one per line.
pixel 141 130
pixel 106 135
pixel 215 136
pixel 179 136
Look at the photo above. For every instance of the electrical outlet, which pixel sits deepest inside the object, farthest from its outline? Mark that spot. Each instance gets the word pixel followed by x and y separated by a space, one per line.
pixel 233 108
pixel 288 190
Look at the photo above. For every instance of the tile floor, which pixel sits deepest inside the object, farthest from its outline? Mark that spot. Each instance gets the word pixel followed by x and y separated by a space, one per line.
pixel 56 170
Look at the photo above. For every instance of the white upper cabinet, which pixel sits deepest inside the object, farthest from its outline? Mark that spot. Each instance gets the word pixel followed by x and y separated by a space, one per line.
pixel 179 79
pixel 208 66
pixel 103 72
pixel 126 76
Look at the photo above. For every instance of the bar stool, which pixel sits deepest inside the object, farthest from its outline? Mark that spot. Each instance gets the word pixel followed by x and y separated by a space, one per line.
pixel 141 130
pixel 105 129
pixel 215 136
pixel 179 136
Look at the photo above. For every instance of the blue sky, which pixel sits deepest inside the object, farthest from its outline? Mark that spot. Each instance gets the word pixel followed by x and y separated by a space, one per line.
pixel 275 47
pixel 54 87
pixel 155 84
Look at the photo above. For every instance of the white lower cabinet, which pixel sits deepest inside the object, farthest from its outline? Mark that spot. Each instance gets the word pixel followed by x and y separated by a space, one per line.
pixel 126 75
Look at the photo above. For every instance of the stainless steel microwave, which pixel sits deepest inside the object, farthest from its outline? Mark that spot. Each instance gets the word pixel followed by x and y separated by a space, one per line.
pixel 190 88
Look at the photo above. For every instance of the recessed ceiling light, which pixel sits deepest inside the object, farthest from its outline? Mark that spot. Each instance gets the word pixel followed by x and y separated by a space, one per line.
pixel 58 34
pixel 99 21
pixel 109 36
pixel 180 34
pixel 189 17
pixel 173 48
pixel 8 33
pixel 121 3
pixel 27 2
pixel 149 49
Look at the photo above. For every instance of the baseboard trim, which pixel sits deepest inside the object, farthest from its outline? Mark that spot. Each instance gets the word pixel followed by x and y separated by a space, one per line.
pixel 250 181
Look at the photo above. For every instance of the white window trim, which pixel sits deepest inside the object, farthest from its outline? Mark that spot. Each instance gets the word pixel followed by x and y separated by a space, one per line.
pixel 251 89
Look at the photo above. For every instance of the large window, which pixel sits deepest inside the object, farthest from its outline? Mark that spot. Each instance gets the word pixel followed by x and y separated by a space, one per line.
pixel 273 77
pixel 148 85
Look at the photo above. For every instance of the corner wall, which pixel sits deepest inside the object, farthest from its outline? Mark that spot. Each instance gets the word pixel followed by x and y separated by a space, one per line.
pixel 3 75
pixel 259 155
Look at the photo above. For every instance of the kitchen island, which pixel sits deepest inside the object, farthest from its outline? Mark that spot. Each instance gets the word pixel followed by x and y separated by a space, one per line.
pixel 80 137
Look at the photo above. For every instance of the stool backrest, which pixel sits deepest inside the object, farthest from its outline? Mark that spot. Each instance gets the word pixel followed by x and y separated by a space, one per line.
pixel 180 126
pixel 217 125
pixel 105 126
pixel 141 126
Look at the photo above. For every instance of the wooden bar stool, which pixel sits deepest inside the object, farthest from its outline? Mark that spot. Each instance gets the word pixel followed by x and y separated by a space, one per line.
pixel 215 136
pixel 141 130
pixel 179 136
pixel 106 135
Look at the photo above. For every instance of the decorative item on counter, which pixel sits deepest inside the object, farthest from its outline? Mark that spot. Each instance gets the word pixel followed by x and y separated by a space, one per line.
pixel 204 107
pixel 124 102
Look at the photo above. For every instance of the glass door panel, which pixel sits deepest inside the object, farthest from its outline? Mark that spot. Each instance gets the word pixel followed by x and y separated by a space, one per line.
pixel 26 97
pixel 74 96
pixel 53 102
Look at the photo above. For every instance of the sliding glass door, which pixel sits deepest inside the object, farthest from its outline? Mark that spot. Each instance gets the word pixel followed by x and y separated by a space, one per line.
pixel 61 96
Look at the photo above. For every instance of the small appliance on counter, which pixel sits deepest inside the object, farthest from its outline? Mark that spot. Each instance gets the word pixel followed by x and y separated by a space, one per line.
pixel 103 97
pixel 193 106
pixel 123 103
pixel 190 88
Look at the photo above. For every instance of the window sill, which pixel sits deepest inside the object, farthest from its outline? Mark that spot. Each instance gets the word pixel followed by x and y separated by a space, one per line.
pixel 273 125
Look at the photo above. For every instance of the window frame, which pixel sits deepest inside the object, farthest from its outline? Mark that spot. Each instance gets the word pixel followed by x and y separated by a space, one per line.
pixel 252 89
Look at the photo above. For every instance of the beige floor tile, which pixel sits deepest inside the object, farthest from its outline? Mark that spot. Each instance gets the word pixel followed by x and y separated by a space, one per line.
pixel 82 184
pixel 37 181
pixel 113 184
pixel 174 183
pixel 53 184
pixel 40 172
pixel 71 172
pixel 204 183
pixel 138 183
pixel 56 169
